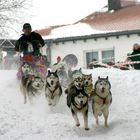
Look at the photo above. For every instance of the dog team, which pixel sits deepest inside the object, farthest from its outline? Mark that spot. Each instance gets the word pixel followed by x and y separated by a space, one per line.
pixel 79 93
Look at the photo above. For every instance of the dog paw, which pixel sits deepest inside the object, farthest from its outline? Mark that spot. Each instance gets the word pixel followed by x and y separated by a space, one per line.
pixel 77 125
pixel 86 129
pixel 50 104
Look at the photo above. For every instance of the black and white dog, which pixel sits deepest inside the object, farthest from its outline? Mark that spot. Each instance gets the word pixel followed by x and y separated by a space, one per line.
pixel 77 100
pixel 26 69
pixel 102 99
pixel 53 89
pixel 31 85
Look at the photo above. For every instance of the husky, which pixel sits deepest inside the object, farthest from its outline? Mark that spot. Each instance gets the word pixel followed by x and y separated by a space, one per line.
pixel 53 89
pixel 102 99
pixel 74 74
pixel 88 85
pixel 31 85
pixel 62 72
pixel 77 100
pixel 26 68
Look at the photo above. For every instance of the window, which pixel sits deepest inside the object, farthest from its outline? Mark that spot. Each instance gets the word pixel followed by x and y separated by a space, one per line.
pixel 90 56
pixel 102 56
pixel 107 56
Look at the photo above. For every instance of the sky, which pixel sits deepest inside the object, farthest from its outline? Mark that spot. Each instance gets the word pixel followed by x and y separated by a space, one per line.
pixel 36 121
pixel 44 13
pixel 54 12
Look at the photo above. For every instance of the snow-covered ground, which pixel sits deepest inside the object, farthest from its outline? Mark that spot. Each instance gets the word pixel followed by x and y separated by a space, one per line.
pixel 38 122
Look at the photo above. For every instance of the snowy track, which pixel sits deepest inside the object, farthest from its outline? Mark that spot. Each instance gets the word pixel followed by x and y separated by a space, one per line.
pixel 36 121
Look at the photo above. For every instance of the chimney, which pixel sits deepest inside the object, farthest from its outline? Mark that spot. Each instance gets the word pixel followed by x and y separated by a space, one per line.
pixel 114 4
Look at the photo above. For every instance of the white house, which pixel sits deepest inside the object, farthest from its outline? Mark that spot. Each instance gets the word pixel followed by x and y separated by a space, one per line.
pixel 109 37
pixel 105 47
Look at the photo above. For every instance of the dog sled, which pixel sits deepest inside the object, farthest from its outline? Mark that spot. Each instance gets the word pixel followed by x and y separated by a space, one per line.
pixel 34 62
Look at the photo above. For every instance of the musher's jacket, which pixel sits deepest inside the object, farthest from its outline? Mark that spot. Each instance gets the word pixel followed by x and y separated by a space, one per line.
pixel 35 39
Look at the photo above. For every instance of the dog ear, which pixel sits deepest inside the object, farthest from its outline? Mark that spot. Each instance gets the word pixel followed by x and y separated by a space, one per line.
pixel 107 78
pixel 80 69
pixel 49 72
pixel 55 71
pixel 99 78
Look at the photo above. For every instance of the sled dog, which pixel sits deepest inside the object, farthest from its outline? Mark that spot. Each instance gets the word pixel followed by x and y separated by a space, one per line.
pixel 26 69
pixel 102 99
pixel 74 74
pixel 53 89
pixel 31 85
pixel 62 72
pixel 77 100
pixel 88 86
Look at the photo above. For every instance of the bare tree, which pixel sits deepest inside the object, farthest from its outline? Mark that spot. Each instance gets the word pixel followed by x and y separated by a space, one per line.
pixel 11 12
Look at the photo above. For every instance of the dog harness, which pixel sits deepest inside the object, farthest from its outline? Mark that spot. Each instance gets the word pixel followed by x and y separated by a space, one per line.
pixel 52 91
pixel 79 108
pixel 103 98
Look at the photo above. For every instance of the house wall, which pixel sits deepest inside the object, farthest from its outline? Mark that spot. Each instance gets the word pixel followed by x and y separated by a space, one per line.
pixel 121 46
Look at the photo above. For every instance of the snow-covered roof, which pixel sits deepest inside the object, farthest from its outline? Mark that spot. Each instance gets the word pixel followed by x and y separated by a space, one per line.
pixel 73 30
pixel 125 18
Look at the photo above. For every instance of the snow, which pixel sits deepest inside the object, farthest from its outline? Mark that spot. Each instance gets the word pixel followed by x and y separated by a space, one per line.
pixel 39 122
pixel 72 30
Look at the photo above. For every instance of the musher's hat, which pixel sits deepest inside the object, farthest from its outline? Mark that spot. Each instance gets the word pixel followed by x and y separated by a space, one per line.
pixel 26 25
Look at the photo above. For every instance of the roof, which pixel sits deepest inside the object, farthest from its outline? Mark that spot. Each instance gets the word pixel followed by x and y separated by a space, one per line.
pixel 93 36
pixel 6 43
pixel 126 3
pixel 126 18
pixel 47 30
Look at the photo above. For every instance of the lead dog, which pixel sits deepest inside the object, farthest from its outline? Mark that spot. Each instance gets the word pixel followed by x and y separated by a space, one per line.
pixel 53 89
pixel 77 100
pixel 102 99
